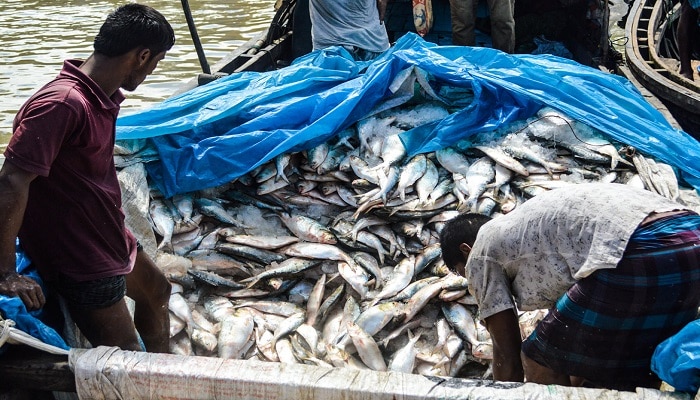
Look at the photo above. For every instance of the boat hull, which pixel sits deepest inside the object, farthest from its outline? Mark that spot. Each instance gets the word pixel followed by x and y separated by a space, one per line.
pixel 649 25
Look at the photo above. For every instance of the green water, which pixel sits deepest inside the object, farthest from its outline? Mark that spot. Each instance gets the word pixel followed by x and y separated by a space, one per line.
pixel 37 35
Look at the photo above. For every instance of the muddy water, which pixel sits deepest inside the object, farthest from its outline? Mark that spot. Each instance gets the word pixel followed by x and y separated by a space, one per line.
pixel 37 35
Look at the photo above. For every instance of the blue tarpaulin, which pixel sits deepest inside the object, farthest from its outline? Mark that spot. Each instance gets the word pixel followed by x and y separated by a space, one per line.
pixel 217 132
pixel 28 321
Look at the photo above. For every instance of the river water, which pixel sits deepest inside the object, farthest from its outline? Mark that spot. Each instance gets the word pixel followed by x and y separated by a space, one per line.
pixel 37 35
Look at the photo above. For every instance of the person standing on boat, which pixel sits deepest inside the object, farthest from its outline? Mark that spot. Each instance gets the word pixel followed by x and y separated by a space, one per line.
pixel 501 14
pixel 61 197
pixel 688 33
pixel 617 267
pixel 356 25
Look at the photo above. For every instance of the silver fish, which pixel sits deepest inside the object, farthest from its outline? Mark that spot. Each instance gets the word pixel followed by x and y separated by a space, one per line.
pixel 314 302
pixel 478 176
pixel 270 186
pixel 329 302
pixel 410 173
pixel 185 206
pixel 214 261
pixel 213 279
pixel 235 333
pixel 342 359
pixel 367 348
pixel 452 160
pixel 289 325
pixel 285 352
pixel 204 339
pixel 372 241
pixel 416 303
pixel 404 359
pixel 333 159
pixel 462 321
pixel 214 209
pixel 443 187
pixel 318 251
pixel 316 155
pixel 265 173
pixel 371 128
pixel 393 151
pixel 281 163
pixel 370 264
pixel 272 307
pixel 501 157
pixel 178 306
pixel 250 253
pixel 425 185
pixel 363 170
pixel 355 276
pixel 308 229
pixel 399 278
pixel 163 223
pixel 266 242
pixel 289 267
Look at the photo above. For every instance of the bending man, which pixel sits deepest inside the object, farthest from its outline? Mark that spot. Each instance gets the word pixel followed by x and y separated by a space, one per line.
pixel 618 268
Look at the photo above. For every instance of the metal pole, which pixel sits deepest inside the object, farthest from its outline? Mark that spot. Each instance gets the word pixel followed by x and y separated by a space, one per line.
pixel 195 37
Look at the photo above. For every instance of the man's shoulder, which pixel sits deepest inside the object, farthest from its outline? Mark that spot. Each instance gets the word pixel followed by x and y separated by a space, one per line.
pixel 59 92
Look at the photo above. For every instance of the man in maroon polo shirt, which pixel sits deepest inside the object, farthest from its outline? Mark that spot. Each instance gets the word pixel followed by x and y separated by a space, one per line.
pixel 60 195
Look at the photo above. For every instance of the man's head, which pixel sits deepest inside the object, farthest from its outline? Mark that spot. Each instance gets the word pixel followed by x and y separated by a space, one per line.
pixel 138 30
pixel 132 26
pixel 458 236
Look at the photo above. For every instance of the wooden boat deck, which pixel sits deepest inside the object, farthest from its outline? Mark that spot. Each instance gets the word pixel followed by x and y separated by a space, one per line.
pixel 646 22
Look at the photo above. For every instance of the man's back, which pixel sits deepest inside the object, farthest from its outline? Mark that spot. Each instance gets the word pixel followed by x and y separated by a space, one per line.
pixel 347 23
pixel 556 238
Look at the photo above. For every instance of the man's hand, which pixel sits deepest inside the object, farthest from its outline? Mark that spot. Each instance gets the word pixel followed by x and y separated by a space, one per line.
pixel 381 6
pixel 23 287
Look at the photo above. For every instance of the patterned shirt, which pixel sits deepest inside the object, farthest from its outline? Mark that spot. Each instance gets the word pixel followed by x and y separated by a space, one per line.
pixel 531 256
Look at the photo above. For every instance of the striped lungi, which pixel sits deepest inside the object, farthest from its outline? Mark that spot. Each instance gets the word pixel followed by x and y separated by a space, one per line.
pixel 606 327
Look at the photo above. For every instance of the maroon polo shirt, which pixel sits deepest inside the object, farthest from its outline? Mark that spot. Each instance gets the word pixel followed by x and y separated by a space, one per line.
pixel 73 222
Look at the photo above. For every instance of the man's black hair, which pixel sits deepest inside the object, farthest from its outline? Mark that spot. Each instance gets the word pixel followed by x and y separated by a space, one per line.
pixel 132 26
pixel 460 229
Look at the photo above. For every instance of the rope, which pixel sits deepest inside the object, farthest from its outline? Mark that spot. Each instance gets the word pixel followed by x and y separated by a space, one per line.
pixel 6 324
pixel 12 335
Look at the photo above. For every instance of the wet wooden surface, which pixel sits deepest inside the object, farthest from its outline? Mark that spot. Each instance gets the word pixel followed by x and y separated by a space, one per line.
pixel 25 368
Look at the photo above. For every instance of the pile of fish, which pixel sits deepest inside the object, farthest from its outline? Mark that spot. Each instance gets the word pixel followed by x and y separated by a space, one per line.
pixel 331 257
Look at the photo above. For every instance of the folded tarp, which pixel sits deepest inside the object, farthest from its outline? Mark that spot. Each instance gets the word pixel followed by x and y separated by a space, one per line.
pixel 217 132
pixel 30 322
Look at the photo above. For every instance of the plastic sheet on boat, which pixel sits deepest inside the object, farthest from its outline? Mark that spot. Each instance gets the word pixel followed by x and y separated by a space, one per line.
pixel 217 132
pixel 26 321
pixel 108 373
pixel 676 360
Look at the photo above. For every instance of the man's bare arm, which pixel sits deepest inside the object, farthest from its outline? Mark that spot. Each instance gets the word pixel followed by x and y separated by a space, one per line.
pixel 505 334
pixel 14 189
pixel 381 6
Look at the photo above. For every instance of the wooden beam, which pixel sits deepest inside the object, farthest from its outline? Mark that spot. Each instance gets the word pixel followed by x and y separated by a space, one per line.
pixel 22 367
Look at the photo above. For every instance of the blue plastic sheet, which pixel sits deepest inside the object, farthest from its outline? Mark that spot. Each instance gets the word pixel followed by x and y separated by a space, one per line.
pixel 217 132
pixel 28 321
pixel 677 359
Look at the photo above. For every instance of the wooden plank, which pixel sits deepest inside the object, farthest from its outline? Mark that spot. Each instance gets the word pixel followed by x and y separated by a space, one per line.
pixel 649 96
pixel 22 367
